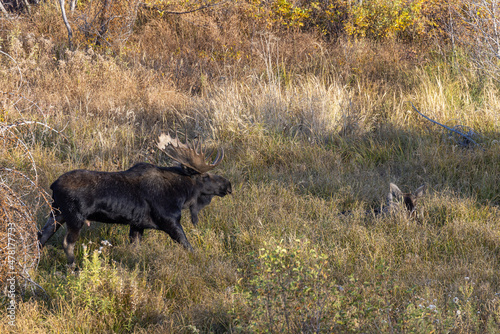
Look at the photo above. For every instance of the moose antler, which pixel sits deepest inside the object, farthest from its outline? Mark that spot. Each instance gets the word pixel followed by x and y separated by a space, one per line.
pixel 189 154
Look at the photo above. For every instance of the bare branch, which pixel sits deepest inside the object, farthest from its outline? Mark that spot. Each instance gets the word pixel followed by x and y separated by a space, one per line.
pixel 68 27
pixel 17 214
pixel 482 18
pixel 24 148
pixel 2 8
pixel 30 123
pixel 28 7
pixel 447 128
pixel 29 280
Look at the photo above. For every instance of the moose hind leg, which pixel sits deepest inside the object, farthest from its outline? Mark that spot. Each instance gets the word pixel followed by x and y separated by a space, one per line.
pixel 135 235
pixel 69 244
pixel 50 228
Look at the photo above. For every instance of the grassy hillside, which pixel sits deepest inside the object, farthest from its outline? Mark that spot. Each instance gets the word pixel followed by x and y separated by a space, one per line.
pixel 311 126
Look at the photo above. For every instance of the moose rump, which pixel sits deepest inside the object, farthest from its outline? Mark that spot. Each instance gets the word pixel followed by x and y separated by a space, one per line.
pixel 144 197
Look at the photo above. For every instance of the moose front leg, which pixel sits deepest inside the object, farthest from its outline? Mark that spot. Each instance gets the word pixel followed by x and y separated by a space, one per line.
pixel 175 231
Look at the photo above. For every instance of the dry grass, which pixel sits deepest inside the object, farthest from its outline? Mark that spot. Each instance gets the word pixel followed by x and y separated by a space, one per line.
pixel 21 201
pixel 20 254
pixel 307 134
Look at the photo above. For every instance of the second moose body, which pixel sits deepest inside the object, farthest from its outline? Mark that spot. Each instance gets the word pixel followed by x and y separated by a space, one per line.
pixel 396 201
pixel 145 197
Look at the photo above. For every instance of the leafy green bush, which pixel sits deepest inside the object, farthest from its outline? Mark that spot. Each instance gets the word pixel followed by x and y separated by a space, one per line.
pixel 287 289
pixel 112 297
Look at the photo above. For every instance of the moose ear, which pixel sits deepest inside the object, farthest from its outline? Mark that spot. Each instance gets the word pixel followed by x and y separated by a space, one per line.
pixel 394 192
pixel 420 191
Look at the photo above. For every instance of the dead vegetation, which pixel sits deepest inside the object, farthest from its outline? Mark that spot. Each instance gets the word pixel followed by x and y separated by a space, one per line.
pixel 20 201
pixel 311 125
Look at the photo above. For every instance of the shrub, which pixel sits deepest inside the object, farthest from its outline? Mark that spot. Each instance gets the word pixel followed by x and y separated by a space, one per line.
pixel 287 289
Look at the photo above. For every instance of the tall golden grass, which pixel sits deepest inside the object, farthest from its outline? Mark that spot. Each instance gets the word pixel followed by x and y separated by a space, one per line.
pixel 310 129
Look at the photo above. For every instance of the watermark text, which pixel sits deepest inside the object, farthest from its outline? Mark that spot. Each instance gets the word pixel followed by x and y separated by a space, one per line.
pixel 11 274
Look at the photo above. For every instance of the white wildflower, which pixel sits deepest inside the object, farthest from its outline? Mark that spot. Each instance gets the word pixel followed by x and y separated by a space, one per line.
pixel 106 243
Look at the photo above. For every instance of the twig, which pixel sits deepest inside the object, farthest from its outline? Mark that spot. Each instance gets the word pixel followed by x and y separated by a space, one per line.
pixel 15 211
pixel 42 192
pixel 26 150
pixel 35 284
pixel 22 97
pixel 32 122
pixel 446 127
pixel 3 10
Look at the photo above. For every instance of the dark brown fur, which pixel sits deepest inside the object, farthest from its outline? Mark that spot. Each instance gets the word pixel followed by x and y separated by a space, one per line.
pixel 145 197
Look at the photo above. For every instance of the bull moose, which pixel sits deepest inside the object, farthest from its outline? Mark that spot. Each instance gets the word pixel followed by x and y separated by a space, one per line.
pixel 144 197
